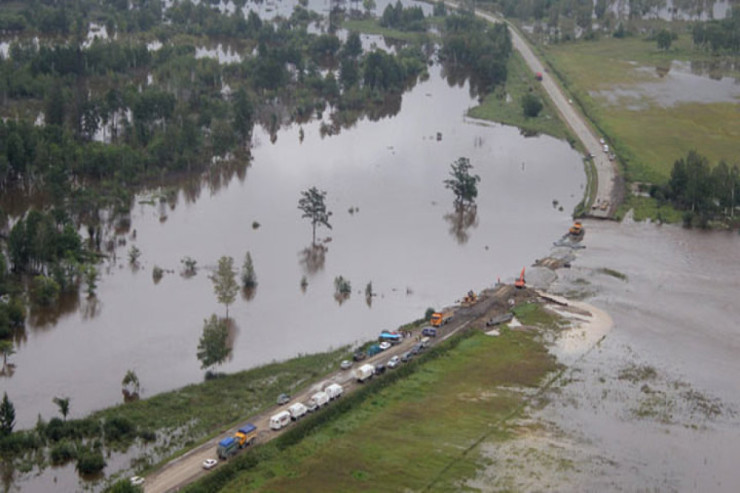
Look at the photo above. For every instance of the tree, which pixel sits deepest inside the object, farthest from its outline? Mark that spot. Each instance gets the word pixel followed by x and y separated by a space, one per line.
pixel 7 416
pixel 6 347
pixel 224 282
pixel 133 255
pixel 63 403
pixel 463 184
pixel 313 206
pixel 664 39
pixel 90 274
pixel 531 105
pixel 212 347
pixel 131 382
pixel 190 266
pixel 249 278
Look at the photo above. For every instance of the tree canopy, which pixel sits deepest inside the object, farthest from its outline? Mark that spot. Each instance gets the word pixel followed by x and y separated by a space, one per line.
pixel 313 205
pixel 463 184
pixel 224 282
pixel 213 346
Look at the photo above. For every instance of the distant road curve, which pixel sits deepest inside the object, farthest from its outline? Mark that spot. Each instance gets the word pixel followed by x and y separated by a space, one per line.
pixel 604 204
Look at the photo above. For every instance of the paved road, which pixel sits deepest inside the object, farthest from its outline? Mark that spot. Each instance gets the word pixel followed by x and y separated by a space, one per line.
pixel 575 120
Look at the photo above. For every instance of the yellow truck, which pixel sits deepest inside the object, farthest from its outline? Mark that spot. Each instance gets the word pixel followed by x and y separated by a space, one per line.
pixel 246 435
pixel 440 318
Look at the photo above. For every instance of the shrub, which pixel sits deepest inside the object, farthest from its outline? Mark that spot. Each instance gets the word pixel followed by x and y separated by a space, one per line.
pixel 90 461
pixel 63 452
pixel 118 428
pixel 531 105
pixel 45 290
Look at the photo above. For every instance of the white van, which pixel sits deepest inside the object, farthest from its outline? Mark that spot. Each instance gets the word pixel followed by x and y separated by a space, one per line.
pixel 320 399
pixel 334 391
pixel 280 420
pixel 297 411
pixel 364 372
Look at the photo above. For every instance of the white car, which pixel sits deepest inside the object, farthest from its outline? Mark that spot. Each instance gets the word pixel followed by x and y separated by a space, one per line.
pixel 385 345
pixel 209 463
pixel 393 362
pixel 137 480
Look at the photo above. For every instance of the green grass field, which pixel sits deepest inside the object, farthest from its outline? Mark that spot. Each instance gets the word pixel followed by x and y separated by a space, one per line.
pixel 649 139
pixel 420 431
pixel 498 107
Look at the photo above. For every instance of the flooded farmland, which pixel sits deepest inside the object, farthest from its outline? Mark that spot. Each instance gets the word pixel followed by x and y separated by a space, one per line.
pixel 654 405
pixel 400 236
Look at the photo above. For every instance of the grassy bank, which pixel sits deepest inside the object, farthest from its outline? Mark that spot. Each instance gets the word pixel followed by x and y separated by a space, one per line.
pixel 504 106
pixel 647 137
pixel 416 432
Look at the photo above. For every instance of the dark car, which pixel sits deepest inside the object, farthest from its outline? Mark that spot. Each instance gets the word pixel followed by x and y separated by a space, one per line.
pixel 416 349
pixel 379 369
pixel 429 332
pixel 359 356
pixel 406 356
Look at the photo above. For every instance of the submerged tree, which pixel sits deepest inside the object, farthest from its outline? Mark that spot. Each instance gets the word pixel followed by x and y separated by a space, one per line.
pixel 7 416
pixel 63 403
pixel 249 278
pixel 130 382
pixel 313 205
pixel 213 348
pixel 224 282
pixel 463 184
pixel 6 348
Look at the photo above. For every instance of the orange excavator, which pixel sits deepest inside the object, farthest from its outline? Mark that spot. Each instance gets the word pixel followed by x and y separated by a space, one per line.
pixel 576 230
pixel 519 283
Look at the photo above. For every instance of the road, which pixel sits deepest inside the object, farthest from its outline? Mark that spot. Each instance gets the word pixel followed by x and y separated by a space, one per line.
pixel 604 204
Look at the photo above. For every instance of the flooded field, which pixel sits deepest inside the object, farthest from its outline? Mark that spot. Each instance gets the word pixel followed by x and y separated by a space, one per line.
pixel 400 235
pixel 654 405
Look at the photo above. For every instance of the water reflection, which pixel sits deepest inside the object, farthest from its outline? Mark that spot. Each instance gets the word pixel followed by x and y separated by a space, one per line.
pixel 46 317
pixel 461 221
pixel 312 258
pixel 249 293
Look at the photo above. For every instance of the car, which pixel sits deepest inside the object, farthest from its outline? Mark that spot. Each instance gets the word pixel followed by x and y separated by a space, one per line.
pixel 385 345
pixel 416 349
pixel 311 405
pixel 393 362
pixel 359 355
pixel 209 464
pixel 429 332
pixel 407 356
pixel 379 369
pixel 283 399
pixel 345 365
pixel 136 480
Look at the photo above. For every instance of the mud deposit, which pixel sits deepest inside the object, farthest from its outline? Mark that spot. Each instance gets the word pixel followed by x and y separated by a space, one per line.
pixel 651 406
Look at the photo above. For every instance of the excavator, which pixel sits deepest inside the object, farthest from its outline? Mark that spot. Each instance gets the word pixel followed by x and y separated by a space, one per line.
pixel 470 298
pixel 519 283
pixel 576 230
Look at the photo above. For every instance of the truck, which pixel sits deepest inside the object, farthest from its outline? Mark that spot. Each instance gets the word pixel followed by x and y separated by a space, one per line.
pixel 227 447
pixel 334 391
pixel 246 435
pixel 320 399
pixel 297 411
pixel 392 337
pixel 440 318
pixel 280 420
pixel 364 372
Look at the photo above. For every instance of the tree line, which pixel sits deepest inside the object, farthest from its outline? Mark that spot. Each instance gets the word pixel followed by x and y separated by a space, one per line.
pixel 702 191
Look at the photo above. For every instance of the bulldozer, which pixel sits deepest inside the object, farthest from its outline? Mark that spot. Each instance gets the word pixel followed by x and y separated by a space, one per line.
pixel 470 299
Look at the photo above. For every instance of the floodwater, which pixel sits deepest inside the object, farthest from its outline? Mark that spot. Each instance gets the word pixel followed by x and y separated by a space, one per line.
pixel 678 10
pixel 654 405
pixel 399 237
pixel 680 82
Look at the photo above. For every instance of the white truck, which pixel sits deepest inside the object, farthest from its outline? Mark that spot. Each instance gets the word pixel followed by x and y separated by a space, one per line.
pixel 280 420
pixel 320 399
pixel 364 372
pixel 334 391
pixel 297 411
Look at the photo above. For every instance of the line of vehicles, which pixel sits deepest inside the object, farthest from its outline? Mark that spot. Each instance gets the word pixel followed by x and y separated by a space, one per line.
pixel 247 434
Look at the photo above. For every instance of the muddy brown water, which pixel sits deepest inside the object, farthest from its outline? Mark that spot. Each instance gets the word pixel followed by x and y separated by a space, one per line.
pixel 399 239
pixel 654 406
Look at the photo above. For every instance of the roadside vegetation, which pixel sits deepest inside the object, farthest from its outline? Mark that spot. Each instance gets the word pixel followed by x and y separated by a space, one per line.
pixel 440 409
pixel 168 422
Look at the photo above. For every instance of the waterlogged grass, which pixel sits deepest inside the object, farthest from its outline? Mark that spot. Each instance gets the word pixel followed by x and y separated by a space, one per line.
pixel 535 315
pixel 371 26
pixel 647 137
pixel 413 433
pixel 504 105
pixel 649 208
pixel 613 273
pixel 209 406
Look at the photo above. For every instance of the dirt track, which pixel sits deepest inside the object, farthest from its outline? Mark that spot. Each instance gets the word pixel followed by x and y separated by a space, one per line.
pixel 187 468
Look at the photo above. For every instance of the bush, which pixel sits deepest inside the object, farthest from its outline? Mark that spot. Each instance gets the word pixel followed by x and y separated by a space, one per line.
pixel 19 442
pixel 531 105
pixel 90 461
pixel 63 452
pixel 45 290
pixel 118 428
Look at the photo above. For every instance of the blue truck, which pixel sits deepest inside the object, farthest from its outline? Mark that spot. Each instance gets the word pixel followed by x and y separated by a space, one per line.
pixel 227 447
